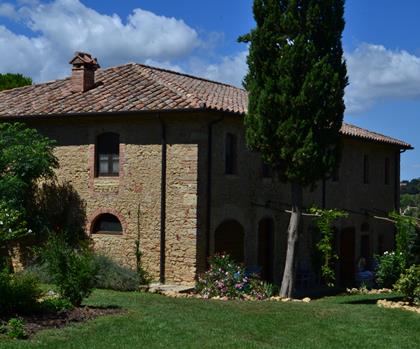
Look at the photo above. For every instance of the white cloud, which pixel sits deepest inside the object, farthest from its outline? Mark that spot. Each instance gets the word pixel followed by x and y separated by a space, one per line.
pixel 7 10
pixel 164 65
pixel 230 69
pixel 62 27
pixel 376 73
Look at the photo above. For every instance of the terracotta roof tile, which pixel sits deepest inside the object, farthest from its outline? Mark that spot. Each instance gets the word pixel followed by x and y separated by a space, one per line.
pixel 136 87
pixel 358 132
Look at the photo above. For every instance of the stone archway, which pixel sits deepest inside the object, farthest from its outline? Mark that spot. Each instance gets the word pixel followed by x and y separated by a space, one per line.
pixel 266 248
pixel 229 238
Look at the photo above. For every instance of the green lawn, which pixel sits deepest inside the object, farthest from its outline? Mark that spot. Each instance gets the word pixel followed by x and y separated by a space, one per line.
pixel 154 321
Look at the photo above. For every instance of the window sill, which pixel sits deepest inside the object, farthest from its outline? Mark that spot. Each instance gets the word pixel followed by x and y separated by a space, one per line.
pixel 107 233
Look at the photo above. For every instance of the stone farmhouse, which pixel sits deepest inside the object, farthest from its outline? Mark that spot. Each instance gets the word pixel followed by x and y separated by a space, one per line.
pixel 160 157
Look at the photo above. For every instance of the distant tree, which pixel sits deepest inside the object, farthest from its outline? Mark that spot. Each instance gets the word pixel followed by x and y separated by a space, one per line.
pixel 296 82
pixel 410 205
pixel 8 81
pixel 411 187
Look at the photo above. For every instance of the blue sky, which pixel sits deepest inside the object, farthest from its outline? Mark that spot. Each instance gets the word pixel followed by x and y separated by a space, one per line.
pixel 381 45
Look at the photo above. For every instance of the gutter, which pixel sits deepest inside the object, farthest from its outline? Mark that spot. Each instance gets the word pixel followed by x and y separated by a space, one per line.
pixel 398 178
pixel 26 118
pixel 209 183
pixel 163 202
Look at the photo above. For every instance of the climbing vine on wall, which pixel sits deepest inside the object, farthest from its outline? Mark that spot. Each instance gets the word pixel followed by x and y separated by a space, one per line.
pixel 323 221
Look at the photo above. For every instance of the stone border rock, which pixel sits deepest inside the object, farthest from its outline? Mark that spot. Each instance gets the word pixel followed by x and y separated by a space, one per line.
pixel 383 303
pixel 175 294
pixel 364 291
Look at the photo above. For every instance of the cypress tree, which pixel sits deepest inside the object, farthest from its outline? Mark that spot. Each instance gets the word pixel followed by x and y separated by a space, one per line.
pixel 296 81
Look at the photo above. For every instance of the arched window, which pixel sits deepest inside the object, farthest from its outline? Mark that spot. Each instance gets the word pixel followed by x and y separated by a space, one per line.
pixel 107 224
pixel 108 154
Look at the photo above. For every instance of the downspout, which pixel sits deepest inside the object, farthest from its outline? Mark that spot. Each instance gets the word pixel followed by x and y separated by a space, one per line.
pixel 163 202
pixel 397 175
pixel 397 179
pixel 209 182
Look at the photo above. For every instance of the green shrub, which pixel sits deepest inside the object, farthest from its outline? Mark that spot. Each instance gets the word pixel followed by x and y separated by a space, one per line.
pixel 409 284
pixel 55 305
pixel 227 279
pixel 73 271
pixel 19 293
pixel 390 267
pixel 16 329
pixel 41 271
pixel 113 276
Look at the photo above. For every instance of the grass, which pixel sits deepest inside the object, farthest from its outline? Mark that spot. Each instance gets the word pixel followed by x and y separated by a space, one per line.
pixel 154 321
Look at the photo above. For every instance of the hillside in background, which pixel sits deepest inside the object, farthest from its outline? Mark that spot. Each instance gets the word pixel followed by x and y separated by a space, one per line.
pixel 410 197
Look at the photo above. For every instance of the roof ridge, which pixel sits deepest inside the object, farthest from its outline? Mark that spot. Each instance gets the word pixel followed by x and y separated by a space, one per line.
pixel 189 76
pixel 177 88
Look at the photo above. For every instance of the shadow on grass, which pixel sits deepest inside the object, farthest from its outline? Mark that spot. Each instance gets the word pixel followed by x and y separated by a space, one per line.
pixel 320 292
pixel 372 300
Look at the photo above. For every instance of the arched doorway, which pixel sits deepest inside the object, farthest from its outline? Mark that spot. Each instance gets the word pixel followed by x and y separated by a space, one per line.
pixel 229 238
pixel 266 248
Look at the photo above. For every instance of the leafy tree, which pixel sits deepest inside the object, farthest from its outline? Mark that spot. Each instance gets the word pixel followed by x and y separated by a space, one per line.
pixel 296 82
pixel 25 157
pixel 8 81
pixel 407 238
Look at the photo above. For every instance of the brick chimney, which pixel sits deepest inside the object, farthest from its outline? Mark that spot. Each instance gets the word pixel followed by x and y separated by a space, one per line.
pixel 83 72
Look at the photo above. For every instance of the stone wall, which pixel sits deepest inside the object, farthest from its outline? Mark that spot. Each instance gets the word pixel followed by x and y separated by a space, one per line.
pixel 135 195
pixel 246 197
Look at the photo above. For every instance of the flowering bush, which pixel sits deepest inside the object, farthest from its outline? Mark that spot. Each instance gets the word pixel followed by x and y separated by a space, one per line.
pixel 390 267
pixel 227 279
pixel 12 224
pixel 409 284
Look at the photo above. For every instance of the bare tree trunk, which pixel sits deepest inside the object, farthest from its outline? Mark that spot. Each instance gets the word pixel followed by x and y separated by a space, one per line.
pixel 288 282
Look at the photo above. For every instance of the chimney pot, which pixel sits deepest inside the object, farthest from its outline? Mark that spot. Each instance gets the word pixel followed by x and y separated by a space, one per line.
pixel 83 72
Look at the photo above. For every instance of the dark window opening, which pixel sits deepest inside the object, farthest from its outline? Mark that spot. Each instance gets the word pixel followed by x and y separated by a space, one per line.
pixel 107 224
pixel 365 247
pixel 108 155
pixel 366 170
pixel 381 244
pixel 267 170
pixel 387 172
pixel 230 154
